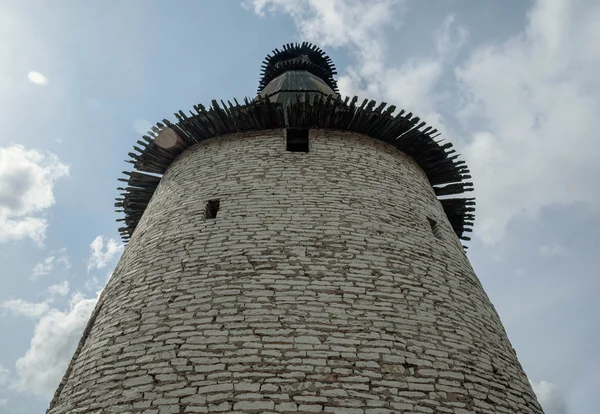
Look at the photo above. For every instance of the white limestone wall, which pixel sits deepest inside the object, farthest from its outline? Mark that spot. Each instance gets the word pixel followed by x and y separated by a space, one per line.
pixel 319 287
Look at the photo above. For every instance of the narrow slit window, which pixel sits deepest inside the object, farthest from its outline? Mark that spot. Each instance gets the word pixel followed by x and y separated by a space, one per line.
pixel 297 139
pixel 212 207
pixel 435 228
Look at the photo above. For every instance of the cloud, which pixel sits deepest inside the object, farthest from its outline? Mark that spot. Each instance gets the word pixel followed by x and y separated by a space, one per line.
pixel 532 104
pixel 104 250
pixel 415 84
pixel 24 308
pixel 337 23
pixel 4 379
pixel 35 310
pixel 55 338
pixel 549 397
pixel 58 258
pixel 56 335
pixel 3 375
pixel 61 289
pixel 27 180
pixel 37 78
pixel 44 267
pixel 355 24
pixel 360 26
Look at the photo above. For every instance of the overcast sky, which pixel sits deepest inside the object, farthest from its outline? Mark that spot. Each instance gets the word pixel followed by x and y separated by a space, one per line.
pixel 514 84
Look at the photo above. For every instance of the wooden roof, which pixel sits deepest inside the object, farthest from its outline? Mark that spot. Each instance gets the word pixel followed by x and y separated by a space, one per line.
pixel 298 56
pixel 285 87
pixel 167 140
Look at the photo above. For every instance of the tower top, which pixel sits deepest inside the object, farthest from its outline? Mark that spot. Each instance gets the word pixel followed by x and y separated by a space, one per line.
pixel 297 89
pixel 298 56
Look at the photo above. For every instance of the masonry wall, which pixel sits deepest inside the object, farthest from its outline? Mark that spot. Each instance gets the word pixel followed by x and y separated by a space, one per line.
pixel 319 287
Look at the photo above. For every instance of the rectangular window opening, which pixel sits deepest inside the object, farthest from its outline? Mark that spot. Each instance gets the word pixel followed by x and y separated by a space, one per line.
pixel 297 139
pixel 435 228
pixel 212 207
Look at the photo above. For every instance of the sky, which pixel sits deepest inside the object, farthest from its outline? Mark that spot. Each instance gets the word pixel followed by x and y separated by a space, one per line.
pixel 512 84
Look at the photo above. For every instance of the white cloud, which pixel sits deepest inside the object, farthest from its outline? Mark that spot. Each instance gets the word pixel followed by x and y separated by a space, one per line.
pixel 360 26
pixel 104 250
pixel 3 375
pixel 450 39
pixel 28 309
pixel 92 284
pixel 336 23
pixel 58 258
pixel 27 179
pixel 549 397
pixel 37 78
pixel 32 227
pixel 55 338
pixel 60 289
pixel 415 84
pixel 353 23
pixel 535 100
pixel 44 267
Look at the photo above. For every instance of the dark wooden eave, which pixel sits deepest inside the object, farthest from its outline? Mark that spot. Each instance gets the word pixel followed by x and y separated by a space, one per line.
pixel 285 87
pixel 448 176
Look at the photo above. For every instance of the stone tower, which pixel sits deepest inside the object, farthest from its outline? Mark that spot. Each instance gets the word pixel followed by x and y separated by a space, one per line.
pixel 295 253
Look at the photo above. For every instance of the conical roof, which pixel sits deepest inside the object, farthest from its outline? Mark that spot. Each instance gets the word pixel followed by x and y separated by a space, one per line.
pixel 299 71
pixel 289 85
pixel 298 57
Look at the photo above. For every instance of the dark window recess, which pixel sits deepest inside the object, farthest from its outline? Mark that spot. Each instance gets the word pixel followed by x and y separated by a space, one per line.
pixel 435 228
pixel 297 139
pixel 212 207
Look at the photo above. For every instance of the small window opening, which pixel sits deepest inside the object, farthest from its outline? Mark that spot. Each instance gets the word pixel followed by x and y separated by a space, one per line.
pixel 435 228
pixel 297 139
pixel 212 207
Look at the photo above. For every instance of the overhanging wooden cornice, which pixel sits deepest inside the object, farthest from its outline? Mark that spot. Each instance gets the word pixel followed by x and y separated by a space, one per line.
pixel 448 175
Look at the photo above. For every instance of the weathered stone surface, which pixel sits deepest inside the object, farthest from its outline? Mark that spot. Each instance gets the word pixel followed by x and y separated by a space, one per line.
pixel 319 287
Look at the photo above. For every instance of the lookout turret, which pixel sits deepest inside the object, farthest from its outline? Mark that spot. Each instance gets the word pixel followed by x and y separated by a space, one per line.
pixel 297 69
pixel 297 252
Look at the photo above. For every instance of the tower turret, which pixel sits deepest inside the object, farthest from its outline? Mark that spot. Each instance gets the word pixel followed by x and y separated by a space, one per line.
pixel 297 252
pixel 297 69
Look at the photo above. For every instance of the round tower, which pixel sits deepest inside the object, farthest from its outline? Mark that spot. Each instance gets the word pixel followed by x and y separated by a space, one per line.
pixel 295 253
